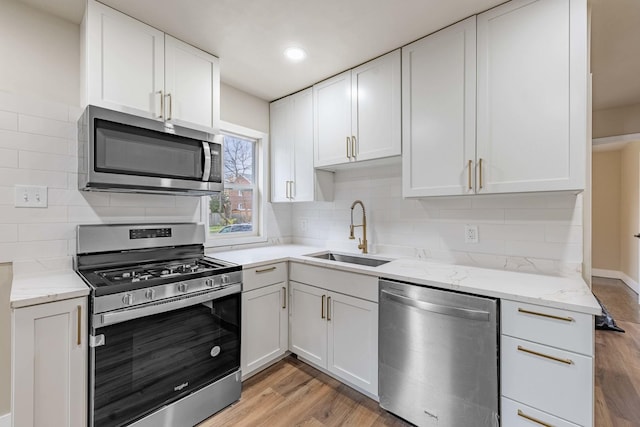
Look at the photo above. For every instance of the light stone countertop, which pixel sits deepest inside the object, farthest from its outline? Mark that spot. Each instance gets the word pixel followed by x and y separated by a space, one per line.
pixel 569 293
pixel 46 287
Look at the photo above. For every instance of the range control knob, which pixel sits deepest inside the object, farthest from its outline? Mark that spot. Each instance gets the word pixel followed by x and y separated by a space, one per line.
pixel 208 282
pixel 127 299
pixel 224 279
pixel 150 294
pixel 183 287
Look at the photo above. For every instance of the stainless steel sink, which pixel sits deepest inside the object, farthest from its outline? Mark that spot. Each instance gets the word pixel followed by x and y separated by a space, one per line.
pixel 352 259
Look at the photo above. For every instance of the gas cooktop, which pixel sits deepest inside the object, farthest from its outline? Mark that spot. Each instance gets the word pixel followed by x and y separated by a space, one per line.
pixel 168 269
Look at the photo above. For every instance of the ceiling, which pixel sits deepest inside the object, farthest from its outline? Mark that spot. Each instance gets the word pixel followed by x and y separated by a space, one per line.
pixel 249 36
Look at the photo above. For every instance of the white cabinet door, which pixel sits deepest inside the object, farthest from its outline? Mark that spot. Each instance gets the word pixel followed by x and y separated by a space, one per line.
pixel 282 137
pixel 49 353
pixel 353 340
pixel 125 62
pixel 376 108
pixel 303 187
pixel 332 120
pixel 532 90
pixel 264 326
pixel 192 86
pixel 308 323
pixel 439 112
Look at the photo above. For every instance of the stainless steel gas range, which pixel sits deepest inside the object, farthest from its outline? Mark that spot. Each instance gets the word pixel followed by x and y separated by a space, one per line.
pixel 164 325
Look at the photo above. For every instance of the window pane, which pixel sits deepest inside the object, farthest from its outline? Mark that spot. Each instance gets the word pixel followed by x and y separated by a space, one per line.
pixel 238 160
pixel 231 211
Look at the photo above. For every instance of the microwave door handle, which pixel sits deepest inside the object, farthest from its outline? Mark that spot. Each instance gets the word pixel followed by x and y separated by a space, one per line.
pixel 207 161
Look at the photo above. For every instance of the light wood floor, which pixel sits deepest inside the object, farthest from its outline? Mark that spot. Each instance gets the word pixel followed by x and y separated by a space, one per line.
pixel 617 391
pixel 292 393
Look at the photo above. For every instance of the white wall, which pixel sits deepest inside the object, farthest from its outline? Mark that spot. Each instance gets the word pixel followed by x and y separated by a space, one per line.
pixel 536 233
pixel 243 109
pixel 40 54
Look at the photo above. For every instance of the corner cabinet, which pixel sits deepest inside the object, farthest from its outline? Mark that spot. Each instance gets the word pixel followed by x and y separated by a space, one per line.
pixel 265 317
pixel 132 67
pixel 293 178
pixel 334 331
pixel 357 113
pixel 498 102
pixel 49 359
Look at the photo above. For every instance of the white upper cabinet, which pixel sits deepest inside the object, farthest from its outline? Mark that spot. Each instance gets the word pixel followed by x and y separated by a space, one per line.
pixel 137 69
pixel 192 85
pixel 293 178
pixel 357 113
pixel 532 96
pixel 125 62
pixel 439 112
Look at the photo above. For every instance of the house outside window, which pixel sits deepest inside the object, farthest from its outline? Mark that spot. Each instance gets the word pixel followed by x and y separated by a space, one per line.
pixel 234 216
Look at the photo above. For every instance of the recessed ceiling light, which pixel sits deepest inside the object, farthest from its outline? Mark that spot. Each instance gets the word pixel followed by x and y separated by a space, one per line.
pixel 295 54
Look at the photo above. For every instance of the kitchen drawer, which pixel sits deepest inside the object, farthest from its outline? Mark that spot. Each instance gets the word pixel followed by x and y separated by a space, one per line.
pixel 344 282
pixel 515 414
pixel 550 326
pixel 563 387
pixel 265 275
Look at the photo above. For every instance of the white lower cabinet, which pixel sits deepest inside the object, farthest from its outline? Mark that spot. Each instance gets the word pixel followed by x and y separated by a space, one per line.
pixel 336 332
pixel 546 374
pixel 49 364
pixel 265 320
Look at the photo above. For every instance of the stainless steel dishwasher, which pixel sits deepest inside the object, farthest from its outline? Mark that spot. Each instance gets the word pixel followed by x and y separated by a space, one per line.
pixel 438 356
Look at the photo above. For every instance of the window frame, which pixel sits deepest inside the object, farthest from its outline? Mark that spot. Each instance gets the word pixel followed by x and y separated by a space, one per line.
pixel 259 234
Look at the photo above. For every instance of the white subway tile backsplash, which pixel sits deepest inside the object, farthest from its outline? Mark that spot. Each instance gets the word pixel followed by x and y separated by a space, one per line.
pixel 41 249
pixel 472 215
pixel 8 158
pixel 544 216
pixel 41 265
pixel 47 127
pixel 10 177
pixel 46 231
pixel 8 120
pixel 8 233
pixel 563 233
pixel 46 161
pixel 74 197
pixel 7 195
pixel 31 142
pixel 105 214
pixel 142 200
pixel 13 215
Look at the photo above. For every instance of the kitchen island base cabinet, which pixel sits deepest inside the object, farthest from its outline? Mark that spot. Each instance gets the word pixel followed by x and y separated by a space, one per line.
pixel 336 332
pixel 49 358
pixel 265 317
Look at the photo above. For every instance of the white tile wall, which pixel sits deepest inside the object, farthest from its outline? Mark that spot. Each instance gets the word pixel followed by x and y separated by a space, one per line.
pixel 38 147
pixel 527 232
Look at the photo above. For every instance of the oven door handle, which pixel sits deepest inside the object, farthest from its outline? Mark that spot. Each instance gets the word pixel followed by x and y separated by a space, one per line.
pixel 105 319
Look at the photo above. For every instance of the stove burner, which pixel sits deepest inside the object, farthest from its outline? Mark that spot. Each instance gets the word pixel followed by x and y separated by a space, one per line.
pixel 159 270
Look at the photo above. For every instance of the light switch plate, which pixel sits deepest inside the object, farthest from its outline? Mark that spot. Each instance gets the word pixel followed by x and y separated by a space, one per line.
pixel 471 234
pixel 30 196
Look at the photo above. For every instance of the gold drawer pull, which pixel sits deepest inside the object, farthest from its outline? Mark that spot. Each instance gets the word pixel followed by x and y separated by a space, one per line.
pixel 322 307
pixel 546 356
pixel 328 308
pixel 284 297
pixel 469 171
pixel 266 270
pixel 480 172
pixel 532 419
pixel 550 316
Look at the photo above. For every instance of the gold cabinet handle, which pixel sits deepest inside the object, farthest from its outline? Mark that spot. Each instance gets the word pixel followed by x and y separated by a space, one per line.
pixel 161 115
pixel 322 308
pixel 348 144
pixel 286 190
pixel 532 419
pixel 354 146
pixel 480 172
pixel 469 167
pixel 170 115
pixel 550 316
pixel 284 297
pixel 546 356
pixel 328 308
pixel 291 188
pixel 79 325
pixel 265 270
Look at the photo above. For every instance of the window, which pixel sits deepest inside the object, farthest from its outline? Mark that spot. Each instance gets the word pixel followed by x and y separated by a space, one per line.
pixel 235 215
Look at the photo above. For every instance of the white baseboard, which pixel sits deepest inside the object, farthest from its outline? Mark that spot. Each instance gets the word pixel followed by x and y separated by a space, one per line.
pixel 614 274
pixel 5 420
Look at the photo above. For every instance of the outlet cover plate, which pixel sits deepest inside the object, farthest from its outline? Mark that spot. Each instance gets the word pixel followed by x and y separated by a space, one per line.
pixel 471 234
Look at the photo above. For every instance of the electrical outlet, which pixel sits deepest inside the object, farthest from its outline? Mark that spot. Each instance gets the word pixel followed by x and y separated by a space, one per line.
pixel 30 196
pixel 471 234
pixel 303 225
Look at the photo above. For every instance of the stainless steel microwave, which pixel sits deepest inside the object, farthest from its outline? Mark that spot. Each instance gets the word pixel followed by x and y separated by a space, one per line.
pixel 126 153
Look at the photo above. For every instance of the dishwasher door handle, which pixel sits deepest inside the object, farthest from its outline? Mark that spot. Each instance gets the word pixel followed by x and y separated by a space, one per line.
pixel 447 310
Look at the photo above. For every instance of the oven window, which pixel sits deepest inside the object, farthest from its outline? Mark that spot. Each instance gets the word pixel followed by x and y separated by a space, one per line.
pixel 129 150
pixel 149 362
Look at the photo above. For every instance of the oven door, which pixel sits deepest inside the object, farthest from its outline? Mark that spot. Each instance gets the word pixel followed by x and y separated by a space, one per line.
pixel 142 364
